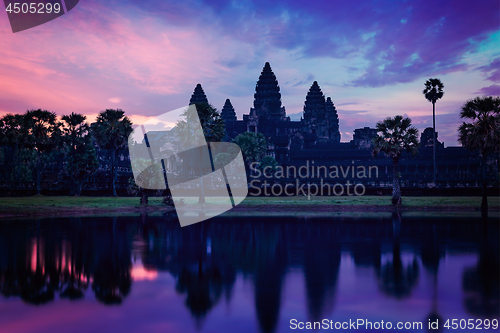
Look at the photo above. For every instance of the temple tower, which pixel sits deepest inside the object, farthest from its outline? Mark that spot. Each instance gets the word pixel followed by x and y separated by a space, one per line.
pixel 314 106
pixel 333 121
pixel 198 95
pixel 267 97
pixel 314 120
pixel 227 112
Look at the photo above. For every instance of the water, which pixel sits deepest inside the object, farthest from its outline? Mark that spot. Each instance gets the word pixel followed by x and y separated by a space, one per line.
pixel 244 274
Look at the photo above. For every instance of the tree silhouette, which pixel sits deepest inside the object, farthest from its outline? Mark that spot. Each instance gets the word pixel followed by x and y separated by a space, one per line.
pixel 396 134
pixel 253 146
pixel 12 133
pixel 433 91
pixel 268 165
pixel 211 122
pixel 43 134
pixel 481 131
pixel 187 129
pixel 111 131
pixel 80 152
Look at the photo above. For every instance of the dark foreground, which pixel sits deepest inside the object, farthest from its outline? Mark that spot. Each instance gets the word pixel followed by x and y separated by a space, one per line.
pixel 245 274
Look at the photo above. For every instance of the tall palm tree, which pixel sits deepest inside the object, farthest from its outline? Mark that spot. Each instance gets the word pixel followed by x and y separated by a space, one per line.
pixel 43 133
pixel 396 134
pixel 80 150
pixel 433 91
pixel 111 131
pixel 481 131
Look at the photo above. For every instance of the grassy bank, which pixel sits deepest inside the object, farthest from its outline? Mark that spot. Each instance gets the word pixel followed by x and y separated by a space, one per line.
pixel 436 202
pixel 66 205
pixel 47 205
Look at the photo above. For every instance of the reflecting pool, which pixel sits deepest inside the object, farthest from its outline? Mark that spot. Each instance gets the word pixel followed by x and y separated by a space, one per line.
pixel 245 274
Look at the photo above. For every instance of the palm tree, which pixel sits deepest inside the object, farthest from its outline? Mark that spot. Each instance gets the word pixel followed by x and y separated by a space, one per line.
pixel 213 129
pixel 12 133
pixel 481 132
pixel 253 146
pixel 80 150
pixel 111 131
pixel 211 122
pixel 43 133
pixel 396 134
pixel 433 91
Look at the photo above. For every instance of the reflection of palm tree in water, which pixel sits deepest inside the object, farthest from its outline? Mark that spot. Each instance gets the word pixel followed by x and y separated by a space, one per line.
pixel 395 279
pixel 36 264
pixel 431 256
pixel 204 278
pixel 112 274
pixel 36 287
pixel 203 285
pixel 480 283
pixel 74 279
pixel 200 279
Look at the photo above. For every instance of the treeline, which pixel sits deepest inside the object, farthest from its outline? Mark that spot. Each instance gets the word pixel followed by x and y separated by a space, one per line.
pixel 37 137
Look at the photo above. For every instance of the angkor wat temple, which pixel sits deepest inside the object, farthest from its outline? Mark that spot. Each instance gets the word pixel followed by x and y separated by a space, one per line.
pixel 317 130
pixel 315 139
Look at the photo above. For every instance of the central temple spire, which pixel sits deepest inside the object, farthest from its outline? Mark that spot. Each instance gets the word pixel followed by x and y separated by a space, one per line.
pixel 267 95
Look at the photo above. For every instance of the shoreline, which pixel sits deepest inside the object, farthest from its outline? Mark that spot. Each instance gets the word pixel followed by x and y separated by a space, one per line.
pixel 41 206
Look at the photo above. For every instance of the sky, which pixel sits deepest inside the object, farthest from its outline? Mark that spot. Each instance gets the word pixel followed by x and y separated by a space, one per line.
pixel 146 56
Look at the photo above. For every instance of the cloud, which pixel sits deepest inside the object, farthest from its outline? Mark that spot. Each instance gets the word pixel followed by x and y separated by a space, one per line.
pixel 400 41
pixel 492 69
pixel 493 90
pixel 307 80
pixel 348 103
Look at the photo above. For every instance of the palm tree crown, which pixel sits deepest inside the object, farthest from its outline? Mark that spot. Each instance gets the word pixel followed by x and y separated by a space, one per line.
pixel 482 131
pixel 396 134
pixel 433 90
pixel 111 129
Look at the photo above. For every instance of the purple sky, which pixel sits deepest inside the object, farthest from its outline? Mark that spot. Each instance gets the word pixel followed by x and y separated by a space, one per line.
pixel 371 57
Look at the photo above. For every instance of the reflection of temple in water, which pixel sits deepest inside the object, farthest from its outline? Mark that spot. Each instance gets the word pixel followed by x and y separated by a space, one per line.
pixel 72 257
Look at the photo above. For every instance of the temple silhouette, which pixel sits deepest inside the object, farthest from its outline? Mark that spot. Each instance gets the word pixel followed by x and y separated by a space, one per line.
pixel 317 130
pixel 319 126
pixel 316 137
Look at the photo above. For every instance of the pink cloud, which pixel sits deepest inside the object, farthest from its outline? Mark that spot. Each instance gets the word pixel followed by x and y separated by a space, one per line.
pixel 81 62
